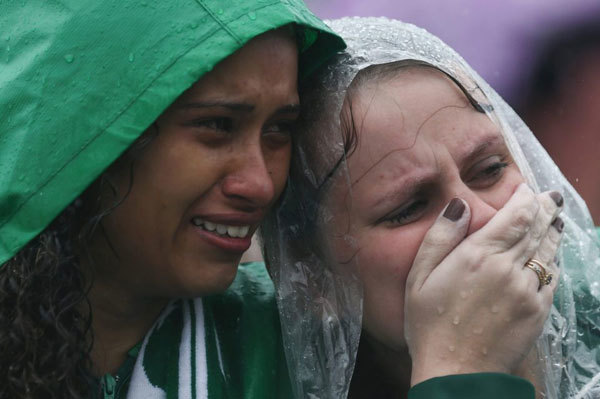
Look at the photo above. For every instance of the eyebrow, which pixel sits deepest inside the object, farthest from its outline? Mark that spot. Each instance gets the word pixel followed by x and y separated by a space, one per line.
pixel 232 106
pixel 481 148
pixel 241 107
pixel 406 187
pixel 288 109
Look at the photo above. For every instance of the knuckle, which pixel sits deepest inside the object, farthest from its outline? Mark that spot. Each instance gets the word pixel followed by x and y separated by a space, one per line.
pixel 546 252
pixel 522 218
pixel 530 304
pixel 477 259
pixel 547 203
pixel 437 237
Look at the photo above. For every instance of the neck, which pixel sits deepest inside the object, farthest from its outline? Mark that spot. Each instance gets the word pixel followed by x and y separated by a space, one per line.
pixel 120 319
pixel 380 371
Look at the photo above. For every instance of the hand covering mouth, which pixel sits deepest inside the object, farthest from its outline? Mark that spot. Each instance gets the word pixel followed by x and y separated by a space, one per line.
pixel 222 229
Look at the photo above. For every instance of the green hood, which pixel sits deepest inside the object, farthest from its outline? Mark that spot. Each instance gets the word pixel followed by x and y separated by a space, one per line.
pixel 80 80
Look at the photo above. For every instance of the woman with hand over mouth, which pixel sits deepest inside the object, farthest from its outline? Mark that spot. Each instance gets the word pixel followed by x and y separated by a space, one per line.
pixel 415 187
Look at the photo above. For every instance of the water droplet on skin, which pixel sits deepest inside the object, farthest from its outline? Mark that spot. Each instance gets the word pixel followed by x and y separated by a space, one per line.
pixel 495 309
pixel 456 320
pixel 220 11
pixel 463 294
pixel 69 58
pixel 440 310
pixel 131 57
pixel 451 348
pixel 478 330
pixel 252 15
pixel 484 351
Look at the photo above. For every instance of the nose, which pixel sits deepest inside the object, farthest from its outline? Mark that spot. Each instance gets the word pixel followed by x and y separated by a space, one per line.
pixel 481 211
pixel 248 181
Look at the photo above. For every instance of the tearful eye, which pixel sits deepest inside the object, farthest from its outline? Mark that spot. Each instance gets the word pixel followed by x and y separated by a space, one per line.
pixel 409 213
pixel 215 124
pixel 494 169
pixel 278 133
pixel 487 172
pixel 279 128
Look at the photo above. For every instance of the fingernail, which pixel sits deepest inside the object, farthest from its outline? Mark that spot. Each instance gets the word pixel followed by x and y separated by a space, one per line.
pixel 558 224
pixel 454 210
pixel 558 199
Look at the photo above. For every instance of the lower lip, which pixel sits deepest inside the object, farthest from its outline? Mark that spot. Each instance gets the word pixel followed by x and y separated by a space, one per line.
pixel 229 244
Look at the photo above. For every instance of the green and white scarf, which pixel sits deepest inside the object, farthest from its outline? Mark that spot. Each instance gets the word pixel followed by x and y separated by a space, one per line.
pixel 162 372
pixel 222 346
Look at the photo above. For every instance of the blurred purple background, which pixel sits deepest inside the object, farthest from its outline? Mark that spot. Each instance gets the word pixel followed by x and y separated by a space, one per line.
pixel 498 38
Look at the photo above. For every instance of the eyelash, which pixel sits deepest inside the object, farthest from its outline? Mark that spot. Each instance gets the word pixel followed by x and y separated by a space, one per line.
pixel 226 125
pixel 282 127
pixel 409 212
pixel 217 124
pixel 490 172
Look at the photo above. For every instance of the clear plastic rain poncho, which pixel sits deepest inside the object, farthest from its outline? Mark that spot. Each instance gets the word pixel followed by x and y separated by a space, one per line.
pixel 320 305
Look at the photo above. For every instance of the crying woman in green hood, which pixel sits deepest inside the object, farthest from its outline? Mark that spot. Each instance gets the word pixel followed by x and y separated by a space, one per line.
pixel 138 159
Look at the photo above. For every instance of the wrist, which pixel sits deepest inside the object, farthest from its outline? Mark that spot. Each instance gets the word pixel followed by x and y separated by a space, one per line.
pixel 425 370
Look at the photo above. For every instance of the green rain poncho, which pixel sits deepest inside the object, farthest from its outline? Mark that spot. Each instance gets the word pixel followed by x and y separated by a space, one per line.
pixel 80 80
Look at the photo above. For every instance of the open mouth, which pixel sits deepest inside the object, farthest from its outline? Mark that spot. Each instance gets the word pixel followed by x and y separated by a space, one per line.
pixel 222 230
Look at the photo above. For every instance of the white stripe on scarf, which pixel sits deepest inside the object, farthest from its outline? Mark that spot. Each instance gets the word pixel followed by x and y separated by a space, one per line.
pixel 141 388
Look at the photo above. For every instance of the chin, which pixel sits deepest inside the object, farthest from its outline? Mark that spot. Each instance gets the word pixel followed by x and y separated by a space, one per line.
pixel 209 283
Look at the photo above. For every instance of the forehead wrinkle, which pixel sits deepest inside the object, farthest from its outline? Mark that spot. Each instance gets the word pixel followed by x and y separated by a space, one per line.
pixel 405 169
pixel 386 155
pixel 370 169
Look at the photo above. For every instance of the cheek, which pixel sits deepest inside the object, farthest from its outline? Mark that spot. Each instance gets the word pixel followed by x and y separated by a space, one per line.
pixel 385 260
pixel 278 164
pixel 389 252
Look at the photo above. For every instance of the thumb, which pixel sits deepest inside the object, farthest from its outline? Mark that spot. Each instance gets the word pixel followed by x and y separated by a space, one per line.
pixel 443 236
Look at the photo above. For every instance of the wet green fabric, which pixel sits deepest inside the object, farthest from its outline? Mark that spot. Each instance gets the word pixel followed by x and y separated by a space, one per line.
pixel 473 386
pixel 244 349
pixel 80 80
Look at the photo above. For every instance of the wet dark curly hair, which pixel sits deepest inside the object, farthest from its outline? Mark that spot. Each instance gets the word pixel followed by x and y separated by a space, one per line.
pixel 45 319
pixel 45 315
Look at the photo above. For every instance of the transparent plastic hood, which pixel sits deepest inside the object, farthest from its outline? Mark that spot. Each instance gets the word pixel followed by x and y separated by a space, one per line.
pixel 321 305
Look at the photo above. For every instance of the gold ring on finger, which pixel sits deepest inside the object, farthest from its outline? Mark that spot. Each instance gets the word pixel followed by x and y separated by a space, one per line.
pixel 544 277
